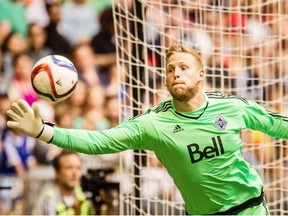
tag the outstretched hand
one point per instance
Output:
(28, 120)
(24, 118)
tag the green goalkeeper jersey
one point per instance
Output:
(201, 150)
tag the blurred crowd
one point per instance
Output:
(244, 46)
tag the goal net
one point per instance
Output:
(244, 46)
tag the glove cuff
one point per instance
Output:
(40, 132)
(47, 132)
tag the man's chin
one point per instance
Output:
(179, 90)
(180, 96)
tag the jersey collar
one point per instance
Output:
(195, 114)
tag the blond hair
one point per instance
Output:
(180, 48)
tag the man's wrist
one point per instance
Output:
(40, 131)
(47, 132)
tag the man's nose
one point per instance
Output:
(177, 72)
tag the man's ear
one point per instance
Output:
(202, 74)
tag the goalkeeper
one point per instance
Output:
(195, 135)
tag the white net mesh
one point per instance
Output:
(244, 46)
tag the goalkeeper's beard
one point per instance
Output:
(182, 94)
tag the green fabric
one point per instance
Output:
(15, 14)
(201, 150)
(101, 5)
(261, 209)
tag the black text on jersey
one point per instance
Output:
(196, 154)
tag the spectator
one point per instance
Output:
(76, 103)
(77, 15)
(103, 43)
(3, 75)
(37, 37)
(13, 11)
(13, 45)
(57, 42)
(110, 80)
(35, 12)
(17, 158)
(94, 116)
(66, 195)
(112, 111)
(4, 105)
(255, 30)
(18, 150)
(5, 30)
(83, 59)
(21, 82)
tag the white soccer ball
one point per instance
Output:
(54, 78)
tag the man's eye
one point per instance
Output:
(184, 68)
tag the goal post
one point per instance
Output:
(244, 46)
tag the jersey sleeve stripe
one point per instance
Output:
(163, 106)
(284, 118)
(216, 95)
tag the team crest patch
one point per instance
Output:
(220, 123)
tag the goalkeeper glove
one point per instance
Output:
(29, 121)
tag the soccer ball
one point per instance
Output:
(54, 78)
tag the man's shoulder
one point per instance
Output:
(150, 113)
(162, 106)
(231, 99)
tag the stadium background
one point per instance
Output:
(118, 48)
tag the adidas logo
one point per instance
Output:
(59, 83)
(177, 129)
